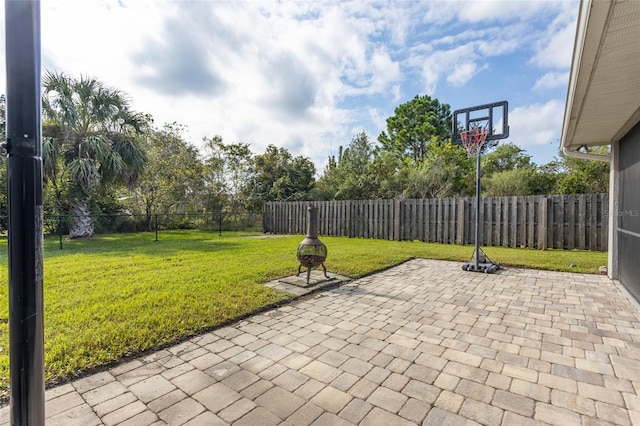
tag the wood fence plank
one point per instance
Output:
(560, 235)
(343, 218)
(408, 222)
(514, 222)
(328, 209)
(453, 228)
(409, 218)
(522, 225)
(604, 222)
(445, 220)
(542, 223)
(571, 225)
(419, 225)
(381, 221)
(390, 210)
(470, 221)
(481, 215)
(531, 243)
(416, 219)
(337, 219)
(427, 221)
(359, 213)
(582, 220)
(432, 220)
(334, 219)
(453, 220)
(361, 219)
(593, 223)
(504, 201)
(439, 221)
(497, 221)
(461, 222)
(347, 218)
(370, 219)
(488, 229)
(362, 224)
(396, 219)
(372, 222)
(374, 218)
(413, 219)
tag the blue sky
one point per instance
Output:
(308, 75)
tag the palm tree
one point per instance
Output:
(90, 136)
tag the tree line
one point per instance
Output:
(101, 157)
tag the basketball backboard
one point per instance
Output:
(492, 117)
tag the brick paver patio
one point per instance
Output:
(421, 343)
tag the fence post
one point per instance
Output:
(543, 223)
(60, 229)
(156, 220)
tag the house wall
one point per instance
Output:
(628, 212)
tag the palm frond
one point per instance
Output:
(84, 173)
(112, 166)
(50, 156)
(96, 147)
(131, 153)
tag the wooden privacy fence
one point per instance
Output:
(541, 221)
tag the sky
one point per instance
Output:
(309, 75)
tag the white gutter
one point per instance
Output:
(585, 156)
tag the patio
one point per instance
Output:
(420, 343)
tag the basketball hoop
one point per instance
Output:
(479, 124)
(473, 139)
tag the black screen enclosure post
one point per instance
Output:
(24, 176)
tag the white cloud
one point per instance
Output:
(555, 49)
(300, 75)
(536, 124)
(378, 119)
(492, 11)
(462, 73)
(551, 80)
(459, 65)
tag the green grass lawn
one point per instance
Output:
(118, 295)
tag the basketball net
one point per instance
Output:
(473, 139)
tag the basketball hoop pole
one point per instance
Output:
(476, 254)
(473, 140)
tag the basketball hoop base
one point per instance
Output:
(486, 267)
(484, 264)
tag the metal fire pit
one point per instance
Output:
(311, 251)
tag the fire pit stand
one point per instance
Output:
(311, 251)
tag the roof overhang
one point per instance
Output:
(603, 98)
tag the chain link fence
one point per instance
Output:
(155, 223)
